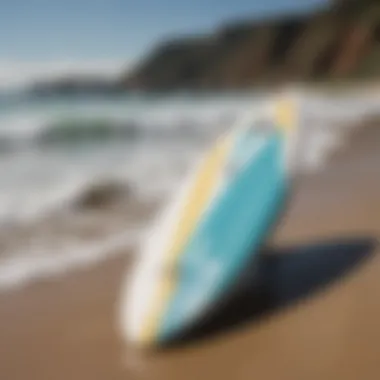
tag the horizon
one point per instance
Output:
(107, 38)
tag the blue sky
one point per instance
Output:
(114, 30)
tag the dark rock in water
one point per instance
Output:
(102, 195)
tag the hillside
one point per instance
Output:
(331, 44)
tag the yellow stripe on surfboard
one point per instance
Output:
(286, 114)
(198, 197)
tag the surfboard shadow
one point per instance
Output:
(281, 277)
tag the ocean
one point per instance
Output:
(81, 177)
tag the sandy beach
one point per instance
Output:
(66, 327)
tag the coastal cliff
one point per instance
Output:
(342, 41)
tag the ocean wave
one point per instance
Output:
(45, 183)
(79, 131)
(24, 267)
(95, 131)
(49, 126)
(99, 220)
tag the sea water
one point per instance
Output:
(55, 150)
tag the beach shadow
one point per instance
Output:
(280, 278)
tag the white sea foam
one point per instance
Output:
(35, 181)
(26, 266)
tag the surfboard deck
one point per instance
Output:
(219, 219)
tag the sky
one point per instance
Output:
(47, 37)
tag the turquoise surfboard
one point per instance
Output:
(210, 231)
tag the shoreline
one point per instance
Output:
(66, 327)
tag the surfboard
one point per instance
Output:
(219, 219)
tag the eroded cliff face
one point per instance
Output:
(340, 42)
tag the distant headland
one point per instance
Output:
(336, 43)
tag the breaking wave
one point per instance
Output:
(37, 183)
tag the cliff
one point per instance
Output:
(336, 43)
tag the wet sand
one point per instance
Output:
(65, 328)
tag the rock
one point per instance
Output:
(103, 195)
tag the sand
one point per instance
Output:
(65, 328)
